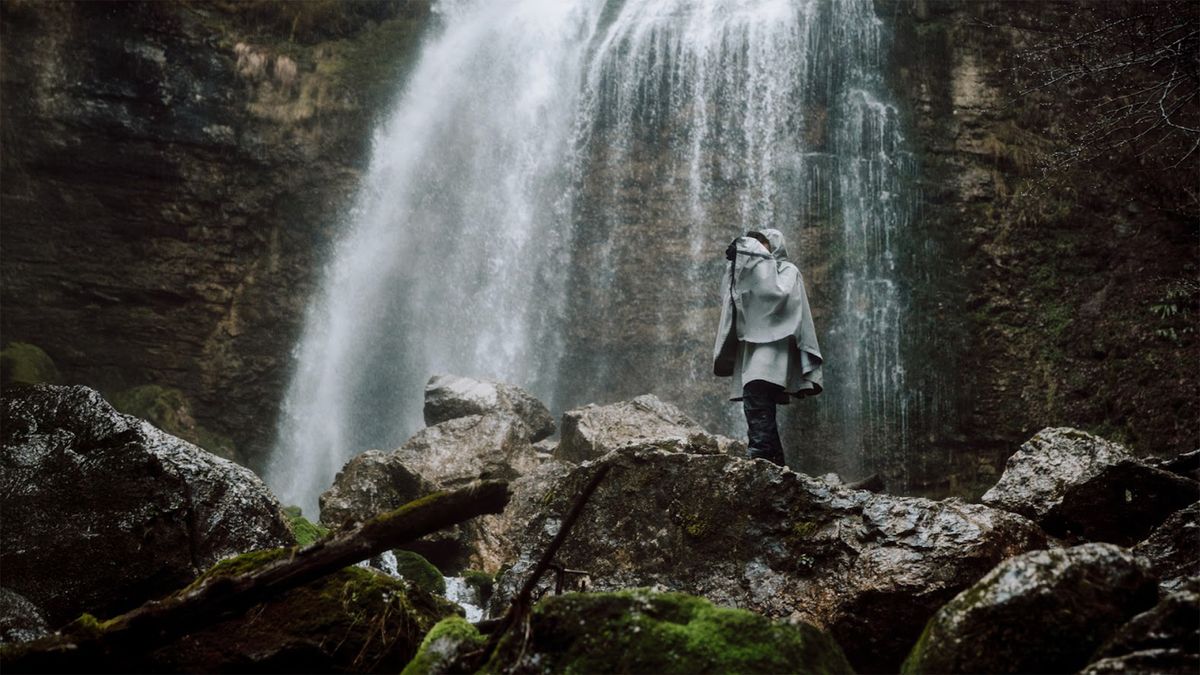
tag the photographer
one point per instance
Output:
(766, 341)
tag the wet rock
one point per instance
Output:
(368, 485)
(594, 430)
(1165, 639)
(449, 397)
(1040, 612)
(497, 542)
(20, 619)
(869, 568)
(465, 449)
(103, 511)
(445, 456)
(641, 631)
(1075, 484)
(1173, 548)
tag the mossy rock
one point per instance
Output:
(420, 572)
(482, 583)
(444, 646)
(170, 410)
(640, 631)
(23, 363)
(305, 530)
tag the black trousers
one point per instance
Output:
(758, 402)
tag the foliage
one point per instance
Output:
(1176, 310)
(23, 363)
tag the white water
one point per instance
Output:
(534, 141)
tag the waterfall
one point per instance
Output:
(549, 201)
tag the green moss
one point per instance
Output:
(913, 662)
(448, 639)
(232, 567)
(420, 572)
(483, 583)
(306, 531)
(641, 631)
(23, 363)
(805, 528)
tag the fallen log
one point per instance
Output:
(90, 645)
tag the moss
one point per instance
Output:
(23, 363)
(805, 528)
(420, 572)
(232, 567)
(483, 584)
(642, 631)
(450, 638)
(913, 662)
(306, 531)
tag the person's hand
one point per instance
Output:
(731, 250)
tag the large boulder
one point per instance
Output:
(1173, 548)
(449, 397)
(102, 511)
(638, 631)
(1165, 639)
(595, 430)
(1075, 484)
(447, 455)
(869, 568)
(1040, 612)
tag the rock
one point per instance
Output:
(368, 485)
(1165, 639)
(1040, 612)
(22, 363)
(497, 544)
(1075, 484)
(447, 455)
(465, 449)
(594, 430)
(305, 531)
(444, 648)
(1173, 548)
(869, 568)
(417, 570)
(20, 619)
(449, 397)
(103, 511)
(642, 631)
(354, 620)
(169, 410)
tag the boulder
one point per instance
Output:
(869, 568)
(368, 485)
(20, 619)
(444, 456)
(449, 397)
(638, 631)
(1186, 464)
(1165, 639)
(595, 430)
(1078, 485)
(1040, 612)
(103, 511)
(1173, 548)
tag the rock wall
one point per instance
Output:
(172, 173)
(1039, 297)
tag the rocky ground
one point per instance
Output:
(686, 558)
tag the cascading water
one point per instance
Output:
(548, 205)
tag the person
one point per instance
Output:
(766, 340)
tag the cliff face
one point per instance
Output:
(172, 174)
(1042, 296)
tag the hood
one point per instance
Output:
(778, 248)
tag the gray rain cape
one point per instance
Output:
(765, 293)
